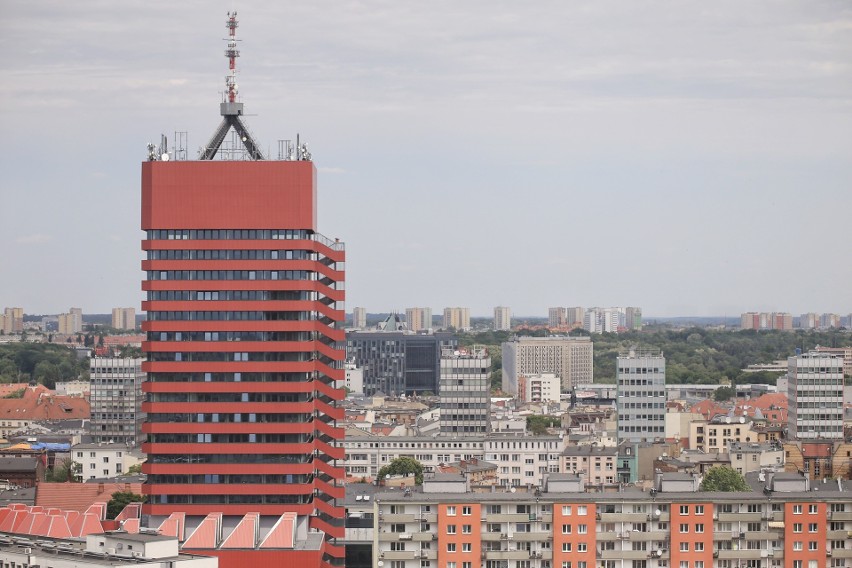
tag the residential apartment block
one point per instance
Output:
(359, 318)
(457, 318)
(12, 320)
(418, 319)
(560, 526)
(502, 318)
(124, 318)
(766, 320)
(570, 358)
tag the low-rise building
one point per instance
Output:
(105, 460)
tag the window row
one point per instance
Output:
(231, 316)
(197, 275)
(239, 295)
(229, 254)
(229, 234)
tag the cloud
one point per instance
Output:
(35, 239)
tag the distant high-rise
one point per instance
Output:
(502, 318)
(13, 320)
(116, 398)
(829, 321)
(359, 318)
(808, 321)
(570, 358)
(641, 388)
(457, 318)
(574, 316)
(124, 318)
(633, 318)
(465, 392)
(67, 324)
(815, 396)
(418, 319)
(766, 320)
(556, 317)
(77, 319)
(600, 320)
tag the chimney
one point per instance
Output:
(100, 488)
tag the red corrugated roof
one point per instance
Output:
(79, 496)
(40, 403)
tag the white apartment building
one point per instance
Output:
(542, 387)
(104, 460)
(556, 317)
(603, 320)
(815, 397)
(570, 358)
(354, 378)
(502, 318)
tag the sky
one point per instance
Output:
(692, 158)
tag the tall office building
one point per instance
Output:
(124, 318)
(815, 396)
(457, 318)
(569, 358)
(418, 319)
(641, 388)
(116, 399)
(13, 320)
(245, 304)
(502, 318)
(465, 392)
(399, 362)
(359, 318)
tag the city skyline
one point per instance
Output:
(654, 156)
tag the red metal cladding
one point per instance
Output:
(240, 387)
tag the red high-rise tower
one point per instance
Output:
(244, 299)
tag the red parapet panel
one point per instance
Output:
(242, 386)
(228, 195)
(227, 427)
(234, 489)
(327, 528)
(236, 468)
(202, 510)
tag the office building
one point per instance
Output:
(569, 358)
(418, 319)
(359, 318)
(398, 362)
(244, 335)
(457, 319)
(641, 403)
(124, 318)
(502, 318)
(465, 392)
(13, 320)
(815, 396)
(115, 395)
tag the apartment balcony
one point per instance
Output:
(399, 554)
(605, 536)
(426, 517)
(530, 536)
(507, 555)
(492, 536)
(386, 518)
(734, 517)
(841, 553)
(507, 518)
(840, 515)
(646, 536)
(837, 535)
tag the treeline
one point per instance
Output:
(44, 363)
(693, 355)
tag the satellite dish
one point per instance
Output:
(380, 563)
(512, 490)
(165, 157)
(742, 419)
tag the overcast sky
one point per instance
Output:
(692, 158)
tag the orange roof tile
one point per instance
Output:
(40, 403)
(79, 496)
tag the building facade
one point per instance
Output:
(556, 317)
(457, 318)
(541, 387)
(359, 318)
(244, 340)
(570, 358)
(124, 318)
(502, 318)
(815, 397)
(465, 392)
(115, 395)
(641, 384)
(13, 320)
(397, 362)
(418, 319)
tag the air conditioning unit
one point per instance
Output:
(28, 551)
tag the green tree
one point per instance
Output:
(134, 469)
(724, 478)
(120, 499)
(66, 470)
(538, 424)
(724, 393)
(403, 466)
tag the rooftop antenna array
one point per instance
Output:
(230, 109)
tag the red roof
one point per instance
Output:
(40, 404)
(79, 496)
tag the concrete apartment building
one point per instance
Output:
(815, 397)
(766, 320)
(105, 460)
(502, 318)
(418, 319)
(556, 317)
(543, 387)
(124, 318)
(465, 392)
(570, 358)
(559, 525)
(12, 320)
(359, 318)
(716, 435)
(457, 318)
(115, 394)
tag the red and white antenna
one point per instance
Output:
(232, 53)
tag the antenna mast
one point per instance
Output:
(230, 109)
(232, 53)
